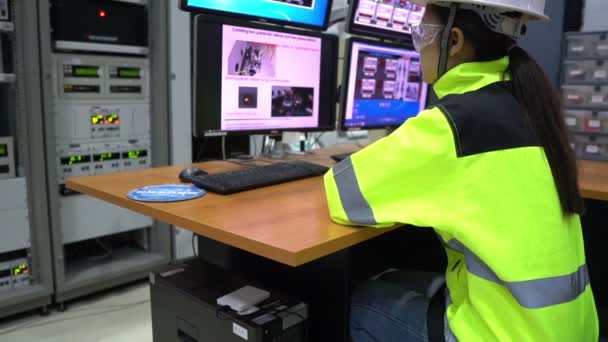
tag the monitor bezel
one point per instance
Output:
(183, 5)
(328, 66)
(346, 80)
(358, 29)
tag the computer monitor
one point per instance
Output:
(260, 79)
(303, 13)
(384, 18)
(382, 85)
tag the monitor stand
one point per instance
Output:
(307, 143)
(273, 147)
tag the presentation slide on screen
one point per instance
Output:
(385, 86)
(270, 80)
(391, 15)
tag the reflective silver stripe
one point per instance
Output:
(356, 207)
(540, 293)
(531, 294)
(454, 244)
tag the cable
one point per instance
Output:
(199, 154)
(445, 40)
(318, 141)
(247, 163)
(264, 147)
(194, 252)
(102, 257)
(255, 145)
(224, 147)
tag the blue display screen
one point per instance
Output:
(384, 86)
(382, 113)
(302, 12)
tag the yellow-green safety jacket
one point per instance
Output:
(472, 169)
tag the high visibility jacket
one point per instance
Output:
(472, 169)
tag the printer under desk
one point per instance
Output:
(184, 309)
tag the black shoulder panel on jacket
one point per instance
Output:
(486, 120)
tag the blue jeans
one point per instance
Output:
(393, 307)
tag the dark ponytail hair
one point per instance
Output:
(533, 90)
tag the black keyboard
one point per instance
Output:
(340, 157)
(258, 176)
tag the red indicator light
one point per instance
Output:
(102, 13)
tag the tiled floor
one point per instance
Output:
(122, 315)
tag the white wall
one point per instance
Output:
(596, 12)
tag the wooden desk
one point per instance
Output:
(593, 179)
(288, 223)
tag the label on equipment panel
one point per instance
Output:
(577, 72)
(592, 149)
(570, 122)
(594, 123)
(601, 74)
(577, 48)
(597, 99)
(240, 331)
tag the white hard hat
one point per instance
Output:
(534, 9)
(496, 13)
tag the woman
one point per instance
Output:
(491, 170)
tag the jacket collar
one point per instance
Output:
(468, 77)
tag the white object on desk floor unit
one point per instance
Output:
(243, 298)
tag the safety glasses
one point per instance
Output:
(424, 35)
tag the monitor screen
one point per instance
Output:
(306, 13)
(253, 78)
(384, 18)
(383, 85)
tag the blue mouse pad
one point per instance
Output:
(166, 193)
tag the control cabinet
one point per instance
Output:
(102, 125)
(104, 113)
(26, 270)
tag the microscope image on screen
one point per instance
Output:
(302, 3)
(248, 97)
(292, 101)
(252, 59)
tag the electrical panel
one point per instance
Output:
(102, 115)
(7, 158)
(14, 274)
(95, 77)
(102, 125)
(14, 215)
